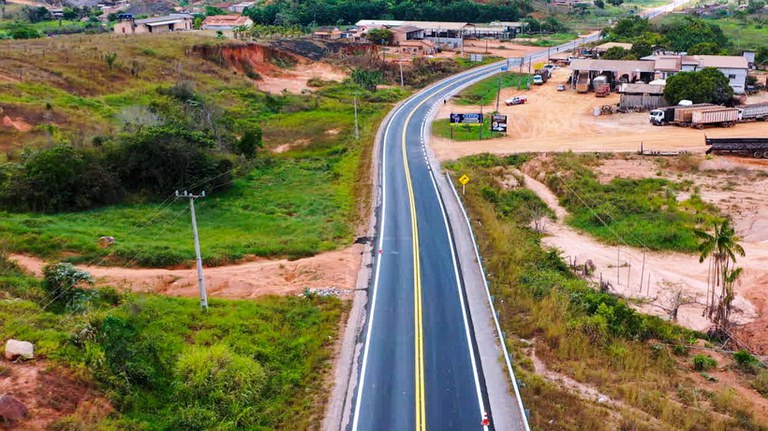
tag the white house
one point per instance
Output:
(735, 68)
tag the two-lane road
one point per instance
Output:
(419, 366)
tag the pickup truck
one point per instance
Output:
(517, 100)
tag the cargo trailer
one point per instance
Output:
(725, 117)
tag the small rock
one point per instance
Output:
(602, 399)
(11, 409)
(15, 349)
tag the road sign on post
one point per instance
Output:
(499, 123)
(463, 180)
(469, 119)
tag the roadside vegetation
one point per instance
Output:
(639, 363)
(484, 92)
(106, 149)
(653, 213)
(163, 364)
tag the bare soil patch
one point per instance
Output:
(737, 186)
(49, 393)
(295, 80)
(336, 269)
(554, 120)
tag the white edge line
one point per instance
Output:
(502, 340)
(364, 364)
(467, 332)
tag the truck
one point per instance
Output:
(753, 112)
(755, 147)
(667, 114)
(582, 82)
(601, 86)
(541, 76)
(725, 117)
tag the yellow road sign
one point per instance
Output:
(463, 180)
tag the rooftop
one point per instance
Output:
(641, 88)
(608, 65)
(167, 19)
(718, 61)
(609, 45)
(233, 20)
(419, 24)
(406, 29)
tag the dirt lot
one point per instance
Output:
(295, 80)
(562, 121)
(738, 187)
(336, 269)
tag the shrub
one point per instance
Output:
(745, 361)
(760, 384)
(703, 363)
(222, 383)
(62, 282)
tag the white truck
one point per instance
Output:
(753, 112)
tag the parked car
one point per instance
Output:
(561, 87)
(517, 100)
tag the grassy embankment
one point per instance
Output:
(636, 212)
(639, 362)
(164, 364)
(296, 203)
(483, 92)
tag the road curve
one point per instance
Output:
(419, 367)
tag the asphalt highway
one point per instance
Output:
(419, 368)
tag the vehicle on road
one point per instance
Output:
(720, 116)
(561, 87)
(517, 100)
(753, 112)
(679, 114)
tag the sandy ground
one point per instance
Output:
(562, 121)
(295, 80)
(49, 393)
(662, 275)
(336, 269)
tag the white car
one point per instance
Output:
(517, 100)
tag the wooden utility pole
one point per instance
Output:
(357, 127)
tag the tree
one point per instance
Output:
(600, 4)
(721, 247)
(22, 31)
(641, 49)
(614, 53)
(110, 59)
(630, 27)
(37, 14)
(380, 36)
(684, 33)
(367, 79)
(553, 25)
(761, 56)
(250, 142)
(706, 48)
(704, 86)
(616, 3)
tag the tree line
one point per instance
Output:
(346, 12)
(688, 34)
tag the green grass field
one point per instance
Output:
(164, 364)
(640, 213)
(485, 90)
(297, 203)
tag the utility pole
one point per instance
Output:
(357, 128)
(402, 82)
(200, 277)
(498, 94)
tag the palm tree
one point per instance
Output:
(721, 248)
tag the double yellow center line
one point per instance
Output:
(421, 419)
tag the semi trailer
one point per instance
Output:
(724, 117)
(669, 114)
(755, 147)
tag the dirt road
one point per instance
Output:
(652, 279)
(563, 121)
(336, 269)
